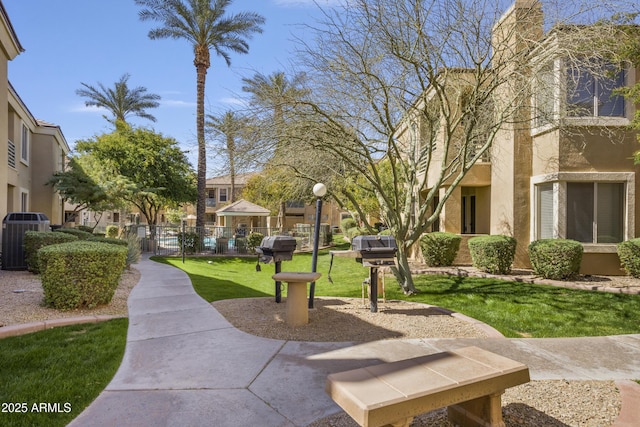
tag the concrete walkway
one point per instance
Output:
(185, 365)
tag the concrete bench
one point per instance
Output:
(469, 381)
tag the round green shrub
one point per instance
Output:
(356, 231)
(34, 240)
(347, 224)
(493, 254)
(556, 259)
(253, 241)
(629, 254)
(112, 231)
(80, 274)
(85, 228)
(82, 235)
(439, 248)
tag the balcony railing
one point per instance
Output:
(12, 154)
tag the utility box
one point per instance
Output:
(14, 225)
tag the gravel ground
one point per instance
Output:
(535, 404)
(21, 299)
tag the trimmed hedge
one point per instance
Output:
(82, 235)
(34, 240)
(556, 259)
(629, 254)
(112, 231)
(347, 224)
(493, 254)
(80, 274)
(109, 240)
(439, 248)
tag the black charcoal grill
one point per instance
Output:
(276, 249)
(374, 252)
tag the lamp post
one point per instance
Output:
(319, 190)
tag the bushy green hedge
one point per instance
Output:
(356, 231)
(347, 224)
(192, 242)
(254, 240)
(80, 274)
(493, 254)
(85, 228)
(34, 240)
(107, 240)
(439, 248)
(112, 231)
(82, 235)
(629, 253)
(557, 259)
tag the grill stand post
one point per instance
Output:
(278, 283)
(373, 292)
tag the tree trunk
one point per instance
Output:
(402, 271)
(201, 204)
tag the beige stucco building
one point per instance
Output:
(31, 150)
(563, 168)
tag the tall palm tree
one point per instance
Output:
(274, 93)
(120, 100)
(206, 25)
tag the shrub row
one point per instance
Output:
(550, 258)
(81, 273)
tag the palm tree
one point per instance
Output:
(229, 127)
(274, 93)
(120, 101)
(205, 24)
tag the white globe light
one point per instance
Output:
(319, 189)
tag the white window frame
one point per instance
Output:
(560, 105)
(222, 191)
(559, 181)
(24, 200)
(25, 144)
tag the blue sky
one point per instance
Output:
(67, 42)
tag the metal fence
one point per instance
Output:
(170, 240)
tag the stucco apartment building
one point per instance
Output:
(31, 150)
(565, 170)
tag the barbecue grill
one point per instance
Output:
(276, 249)
(374, 252)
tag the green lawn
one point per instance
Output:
(515, 309)
(47, 378)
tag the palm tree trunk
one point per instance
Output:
(201, 205)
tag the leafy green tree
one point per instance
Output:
(120, 100)
(78, 187)
(143, 168)
(206, 25)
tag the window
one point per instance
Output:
(595, 212)
(24, 145)
(544, 112)
(24, 201)
(223, 194)
(546, 216)
(590, 91)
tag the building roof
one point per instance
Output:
(243, 208)
(241, 179)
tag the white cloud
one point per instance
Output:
(81, 108)
(176, 103)
(234, 101)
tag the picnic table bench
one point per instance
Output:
(469, 381)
